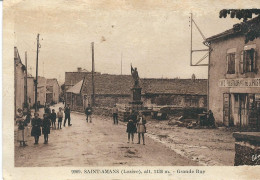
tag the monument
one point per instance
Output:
(136, 90)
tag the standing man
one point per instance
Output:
(67, 115)
(88, 112)
(60, 116)
(115, 114)
(47, 110)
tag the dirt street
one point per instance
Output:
(211, 147)
(95, 144)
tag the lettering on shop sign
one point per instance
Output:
(248, 82)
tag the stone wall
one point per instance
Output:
(247, 147)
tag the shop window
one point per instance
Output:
(248, 60)
(231, 57)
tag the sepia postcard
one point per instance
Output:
(128, 89)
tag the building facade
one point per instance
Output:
(116, 89)
(30, 90)
(72, 78)
(53, 91)
(19, 80)
(41, 91)
(234, 79)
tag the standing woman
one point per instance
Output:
(46, 125)
(26, 128)
(20, 121)
(36, 127)
(141, 129)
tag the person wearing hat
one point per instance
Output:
(67, 115)
(141, 129)
(36, 127)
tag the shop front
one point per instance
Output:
(241, 104)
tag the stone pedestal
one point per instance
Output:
(136, 102)
(247, 147)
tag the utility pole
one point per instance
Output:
(93, 69)
(36, 81)
(26, 86)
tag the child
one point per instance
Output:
(60, 116)
(36, 127)
(131, 129)
(53, 119)
(46, 124)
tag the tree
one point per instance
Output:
(250, 28)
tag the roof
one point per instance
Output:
(232, 31)
(76, 89)
(175, 86)
(72, 78)
(107, 84)
(52, 81)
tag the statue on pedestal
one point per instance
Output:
(135, 76)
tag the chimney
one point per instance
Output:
(79, 69)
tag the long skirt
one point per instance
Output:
(22, 135)
(141, 128)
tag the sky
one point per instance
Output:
(152, 35)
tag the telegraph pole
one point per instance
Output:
(36, 81)
(93, 69)
(26, 86)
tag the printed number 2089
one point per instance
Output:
(76, 171)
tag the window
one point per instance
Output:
(248, 59)
(231, 57)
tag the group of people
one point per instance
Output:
(136, 124)
(40, 126)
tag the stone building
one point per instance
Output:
(175, 92)
(234, 79)
(72, 78)
(19, 77)
(53, 91)
(30, 90)
(116, 89)
(41, 91)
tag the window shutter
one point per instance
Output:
(227, 69)
(241, 62)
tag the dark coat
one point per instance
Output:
(131, 127)
(47, 110)
(46, 124)
(88, 111)
(36, 127)
(67, 111)
(27, 119)
(53, 117)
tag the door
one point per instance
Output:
(243, 109)
(226, 109)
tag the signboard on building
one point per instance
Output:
(242, 82)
